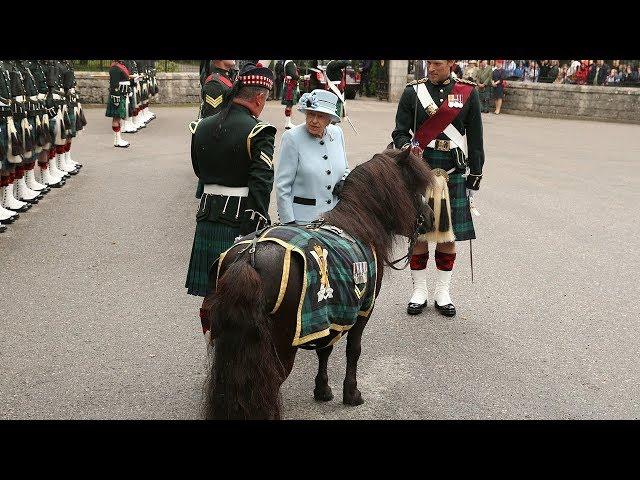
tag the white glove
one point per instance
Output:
(471, 193)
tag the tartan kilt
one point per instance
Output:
(114, 111)
(209, 241)
(461, 219)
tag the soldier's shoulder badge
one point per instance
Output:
(416, 82)
(464, 80)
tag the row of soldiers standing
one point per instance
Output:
(132, 84)
(40, 114)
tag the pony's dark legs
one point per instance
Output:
(350, 393)
(323, 392)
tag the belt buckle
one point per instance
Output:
(442, 145)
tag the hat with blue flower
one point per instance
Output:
(320, 101)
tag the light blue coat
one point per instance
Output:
(309, 167)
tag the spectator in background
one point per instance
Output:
(635, 74)
(531, 72)
(562, 74)
(484, 85)
(570, 76)
(510, 67)
(518, 73)
(582, 75)
(598, 73)
(471, 72)
(625, 76)
(543, 73)
(612, 78)
(492, 64)
(497, 80)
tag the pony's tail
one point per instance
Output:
(245, 377)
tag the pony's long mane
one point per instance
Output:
(378, 200)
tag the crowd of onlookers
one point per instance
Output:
(577, 72)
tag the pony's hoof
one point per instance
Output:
(353, 399)
(322, 394)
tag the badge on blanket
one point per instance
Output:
(360, 277)
(320, 255)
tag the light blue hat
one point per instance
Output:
(320, 101)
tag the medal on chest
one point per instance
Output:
(455, 101)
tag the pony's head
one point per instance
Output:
(384, 197)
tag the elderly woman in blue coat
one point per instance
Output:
(312, 161)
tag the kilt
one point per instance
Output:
(209, 241)
(114, 111)
(461, 219)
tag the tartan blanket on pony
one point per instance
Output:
(339, 280)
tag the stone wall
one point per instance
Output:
(397, 78)
(616, 104)
(183, 87)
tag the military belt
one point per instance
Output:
(442, 145)
(213, 189)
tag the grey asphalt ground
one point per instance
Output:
(95, 322)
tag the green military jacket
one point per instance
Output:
(235, 151)
(468, 121)
(214, 91)
(38, 71)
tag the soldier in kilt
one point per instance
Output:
(447, 110)
(9, 206)
(25, 93)
(290, 88)
(117, 104)
(62, 125)
(64, 162)
(42, 180)
(54, 101)
(232, 153)
(15, 148)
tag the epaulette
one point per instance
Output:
(220, 78)
(464, 80)
(416, 82)
(194, 125)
